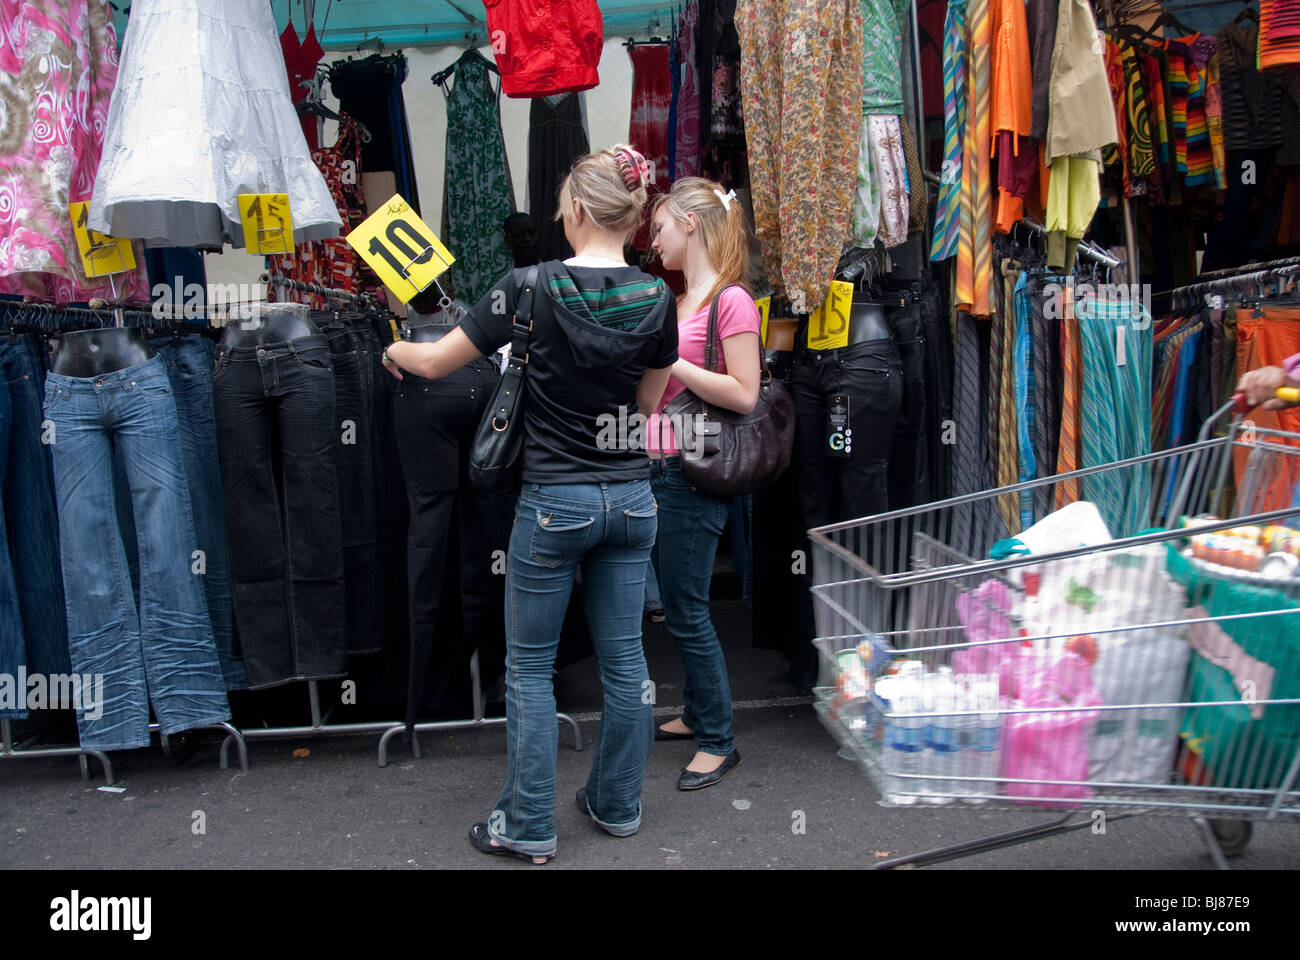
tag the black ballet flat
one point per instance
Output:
(482, 842)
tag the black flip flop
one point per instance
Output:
(482, 842)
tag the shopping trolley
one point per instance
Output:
(1151, 673)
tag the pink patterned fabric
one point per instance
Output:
(688, 99)
(58, 65)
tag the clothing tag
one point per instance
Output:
(1214, 301)
(101, 255)
(839, 430)
(401, 248)
(828, 327)
(1121, 346)
(268, 225)
(764, 305)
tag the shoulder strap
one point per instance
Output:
(711, 344)
(523, 322)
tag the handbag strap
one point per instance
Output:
(523, 322)
(711, 344)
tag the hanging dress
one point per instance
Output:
(479, 195)
(555, 139)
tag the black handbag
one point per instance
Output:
(728, 453)
(495, 459)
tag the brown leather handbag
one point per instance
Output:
(728, 453)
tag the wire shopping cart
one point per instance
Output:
(1153, 673)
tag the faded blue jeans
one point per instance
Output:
(690, 526)
(161, 653)
(607, 530)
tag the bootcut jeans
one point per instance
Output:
(607, 530)
(161, 652)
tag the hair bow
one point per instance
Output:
(726, 198)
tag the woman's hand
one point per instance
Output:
(389, 364)
(1261, 386)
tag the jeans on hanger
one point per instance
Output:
(29, 508)
(356, 479)
(607, 530)
(161, 652)
(871, 376)
(435, 422)
(189, 363)
(13, 648)
(278, 436)
(690, 526)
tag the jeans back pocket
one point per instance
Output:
(559, 537)
(642, 526)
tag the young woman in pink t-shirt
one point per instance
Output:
(700, 230)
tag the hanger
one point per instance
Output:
(1246, 13)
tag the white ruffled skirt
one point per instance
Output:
(202, 113)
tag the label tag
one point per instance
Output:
(268, 225)
(1121, 346)
(828, 327)
(1214, 301)
(397, 244)
(764, 305)
(101, 255)
(839, 429)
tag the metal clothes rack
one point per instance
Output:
(364, 299)
(1249, 273)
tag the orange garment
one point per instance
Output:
(1013, 78)
(1265, 340)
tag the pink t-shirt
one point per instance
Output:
(736, 314)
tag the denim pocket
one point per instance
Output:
(316, 359)
(642, 525)
(153, 388)
(558, 537)
(54, 395)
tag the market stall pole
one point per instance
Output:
(1152, 673)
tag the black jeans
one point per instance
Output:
(870, 375)
(354, 423)
(277, 434)
(434, 422)
(909, 475)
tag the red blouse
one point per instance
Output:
(545, 47)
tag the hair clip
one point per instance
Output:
(634, 167)
(726, 198)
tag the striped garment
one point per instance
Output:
(1068, 456)
(948, 207)
(1116, 409)
(620, 306)
(1025, 404)
(1279, 34)
(1176, 54)
(1116, 154)
(1008, 453)
(981, 181)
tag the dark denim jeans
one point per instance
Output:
(13, 649)
(189, 363)
(277, 434)
(690, 526)
(163, 652)
(607, 530)
(29, 507)
(356, 477)
(435, 421)
(909, 471)
(832, 488)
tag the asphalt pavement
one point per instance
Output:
(325, 803)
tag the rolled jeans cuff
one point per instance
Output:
(534, 848)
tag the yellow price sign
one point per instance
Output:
(764, 305)
(101, 255)
(268, 225)
(397, 244)
(828, 327)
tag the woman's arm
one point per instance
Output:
(737, 389)
(651, 389)
(432, 361)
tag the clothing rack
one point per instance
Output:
(1268, 272)
(1086, 248)
(363, 299)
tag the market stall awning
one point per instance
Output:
(343, 24)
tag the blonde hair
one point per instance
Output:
(721, 225)
(597, 182)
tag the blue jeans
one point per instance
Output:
(189, 368)
(13, 649)
(161, 652)
(690, 526)
(607, 530)
(653, 598)
(30, 510)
